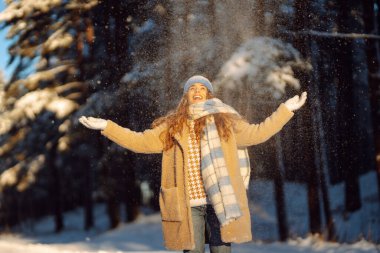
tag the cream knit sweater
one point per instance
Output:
(195, 183)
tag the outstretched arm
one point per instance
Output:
(252, 134)
(140, 142)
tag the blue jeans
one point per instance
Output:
(206, 224)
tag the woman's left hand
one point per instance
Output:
(296, 102)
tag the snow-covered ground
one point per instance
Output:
(145, 235)
(364, 223)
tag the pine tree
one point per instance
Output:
(82, 52)
(51, 34)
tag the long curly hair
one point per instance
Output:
(176, 119)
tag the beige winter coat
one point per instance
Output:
(174, 198)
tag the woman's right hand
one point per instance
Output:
(93, 123)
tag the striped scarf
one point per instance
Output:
(213, 166)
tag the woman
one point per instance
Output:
(205, 166)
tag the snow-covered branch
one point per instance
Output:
(16, 176)
(82, 5)
(262, 66)
(314, 33)
(32, 81)
(16, 10)
(59, 39)
(32, 104)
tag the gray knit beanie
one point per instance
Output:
(197, 79)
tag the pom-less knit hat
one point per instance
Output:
(197, 79)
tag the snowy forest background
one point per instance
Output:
(127, 61)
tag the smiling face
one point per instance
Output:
(197, 93)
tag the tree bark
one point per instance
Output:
(110, 189)
(348, 164)
(56, 187)
(371, 26)
(88, 203)
(113, 209)
(132, 196)
(88, 187)
(307, 149)
(279, 191)
(321, 145)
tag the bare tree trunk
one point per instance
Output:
(106, 34)
(132, 196)
(56, 187)
(346, 135)
(320, 146)
(110, 189)
(308, 151)
(86, 166)
(10, 209)
(88, 203)
(279, 191)
(113, 209)
(301, 21)
(313, 204)
(371, 26)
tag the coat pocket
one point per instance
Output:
(169, 204)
